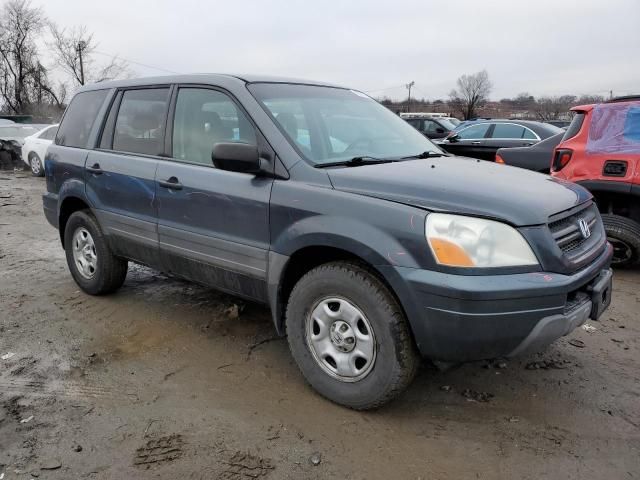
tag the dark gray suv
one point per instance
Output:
(370, 245)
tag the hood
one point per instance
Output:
(466, 186)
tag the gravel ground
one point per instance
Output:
(165, 379)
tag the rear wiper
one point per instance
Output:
(427, 155)
(355, 162)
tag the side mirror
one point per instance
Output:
(236, 157)
(440, 130)
(453, 138)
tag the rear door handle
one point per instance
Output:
(476, 143)
(95, 169)
(173, 183)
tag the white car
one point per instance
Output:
(35, 148)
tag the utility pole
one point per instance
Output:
(409, 86)
(81, 46)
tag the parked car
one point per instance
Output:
(35, 147)
(601, 151)
(483, 139)
(11, 139)
(367, 245)
(564, 124)
(536, 157)
(430, 127)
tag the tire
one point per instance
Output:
(394, 360)
(624, 234)
(108, 272)
(36, 165)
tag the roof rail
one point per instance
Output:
(625, 98)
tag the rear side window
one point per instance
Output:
(632, 125)
(507, 130)
(140, 122)
(574, 127)
(475, 131)
(415, 123)
(80, 118)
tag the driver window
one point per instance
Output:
(431, 126)
(474, 132)
(203, 118)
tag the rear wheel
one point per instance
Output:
(37, 168)
(91, 263)
(349, 336)
(624, 235)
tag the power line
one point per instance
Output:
(136, 63)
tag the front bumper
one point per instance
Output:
(457, 318)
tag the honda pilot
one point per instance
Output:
(370, 245)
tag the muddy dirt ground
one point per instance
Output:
(166, 379)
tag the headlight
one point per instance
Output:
(460, 241)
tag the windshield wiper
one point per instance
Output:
(356, 162)
(427, 155)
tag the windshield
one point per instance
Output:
(329, 125)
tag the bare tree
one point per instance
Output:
(552, 108)
(74, 51)
(471, 93)
(24, 84)
(588, 99)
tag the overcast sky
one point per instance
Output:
(544, 47)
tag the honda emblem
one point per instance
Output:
(584, 228)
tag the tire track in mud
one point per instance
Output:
(67, 389)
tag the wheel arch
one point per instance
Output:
(616, 198)
(68, 206)
(286, 270)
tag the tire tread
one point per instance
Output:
(407, 356)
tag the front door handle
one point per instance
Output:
(173, 183)
(476, 143)
(95, 169)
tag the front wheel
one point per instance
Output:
(624, 235)
(93, 266)
(349, 336)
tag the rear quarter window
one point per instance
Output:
(79, 119)
(614, 129)
(632, 125)
(574, 126)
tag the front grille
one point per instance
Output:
(568, 235)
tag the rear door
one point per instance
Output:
(213, 224)
(120, 174)
(469, 142)
(507, 135)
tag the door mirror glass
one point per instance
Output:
(236, 157)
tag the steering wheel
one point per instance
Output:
(358, 141)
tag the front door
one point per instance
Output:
(213, 225)
(469, 142)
